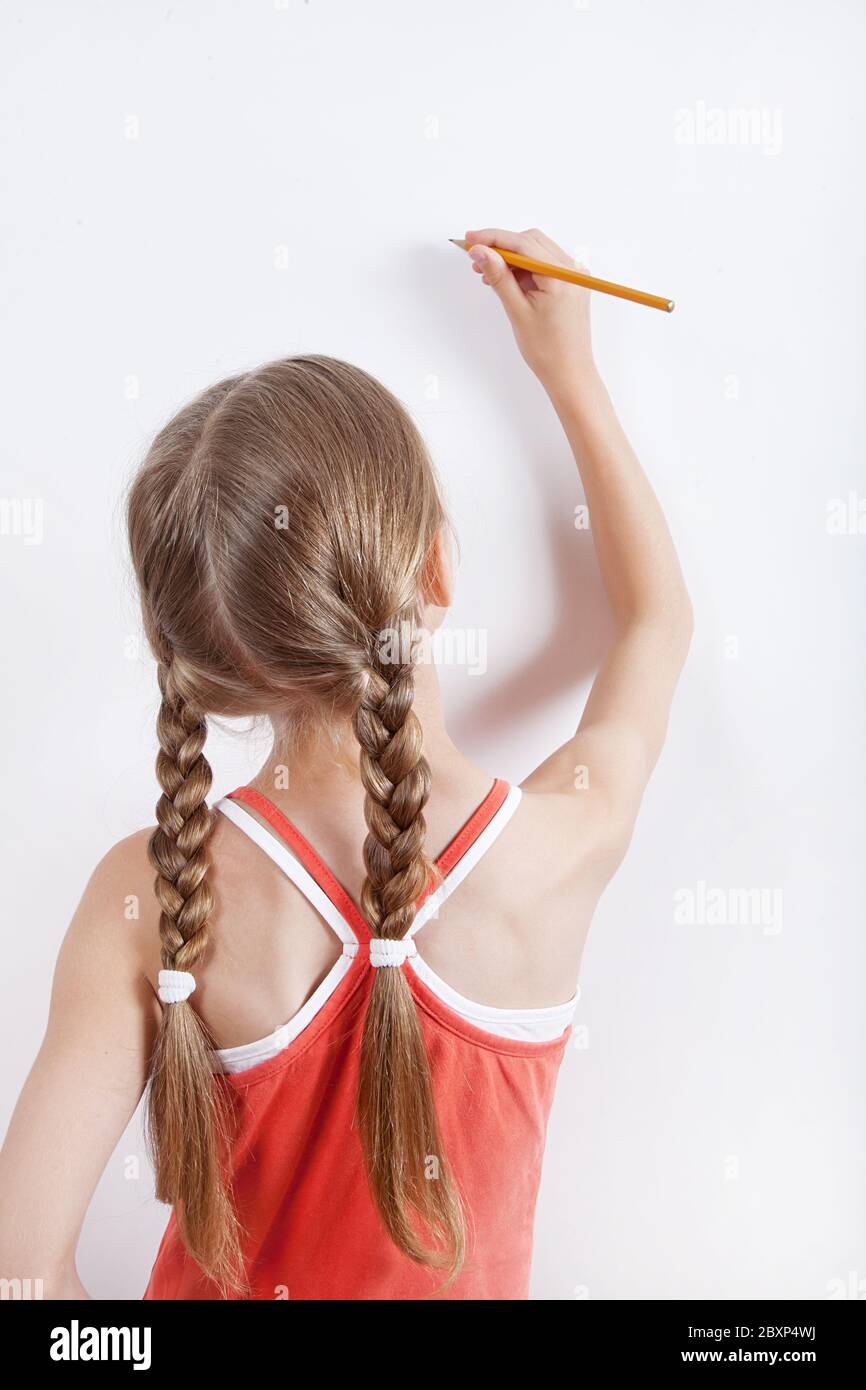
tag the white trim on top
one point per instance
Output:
(523, 1025)
(469, 860)
(241, 1058)
(291, 867)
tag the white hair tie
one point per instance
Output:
(386, 952)
(175, 986)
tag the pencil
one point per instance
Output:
(577, 277)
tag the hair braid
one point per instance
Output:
(184, 824)
(407, 1170)
(396, 778)
(185, 1122)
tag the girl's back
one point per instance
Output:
(285, 992)
(290, 1047)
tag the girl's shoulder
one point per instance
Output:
(119, 907)
(572, 835)
(118, 915)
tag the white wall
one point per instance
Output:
(160, 161)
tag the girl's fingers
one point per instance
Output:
(500, 278)
(515, 288)
(532, 242)
(550, 251)
(521, 242)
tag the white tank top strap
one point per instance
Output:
(476, 850)
(292, 868)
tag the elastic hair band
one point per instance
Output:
(385, 952)
(175, 986)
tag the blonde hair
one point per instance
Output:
(278, 525)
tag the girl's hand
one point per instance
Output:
(550, 318)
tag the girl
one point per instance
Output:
(351, 1049)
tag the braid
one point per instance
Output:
(399, 1131)
(396, 778)
(184, 824)
(186, 1124)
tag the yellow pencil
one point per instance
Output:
(577, 277)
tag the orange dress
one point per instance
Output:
(311, 1228)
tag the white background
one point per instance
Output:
(161, 163)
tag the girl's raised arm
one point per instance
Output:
(623, 725)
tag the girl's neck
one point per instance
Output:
(324, 773)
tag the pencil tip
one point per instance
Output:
(455, 242)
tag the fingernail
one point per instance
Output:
(477, 256)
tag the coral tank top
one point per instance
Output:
(311, 1230)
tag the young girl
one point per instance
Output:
(352, 988)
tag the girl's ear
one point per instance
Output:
(437, 581)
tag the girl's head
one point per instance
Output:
(283, 525)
